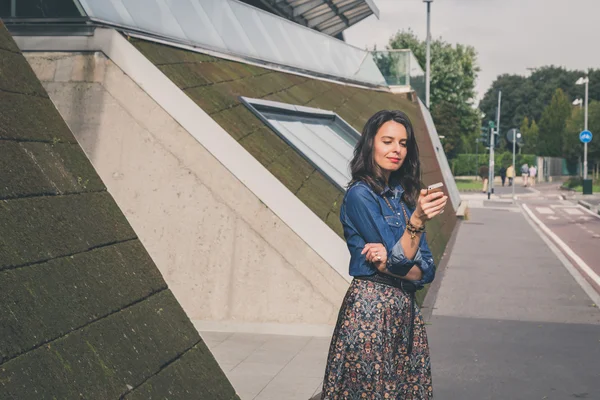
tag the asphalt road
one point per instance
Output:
(514, 318)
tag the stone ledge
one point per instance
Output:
(463, 210)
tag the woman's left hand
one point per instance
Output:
(376, 254)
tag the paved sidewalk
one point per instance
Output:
(270, 367)
(510, 322)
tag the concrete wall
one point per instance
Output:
(230, 261)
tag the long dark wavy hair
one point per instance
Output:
(365, 169)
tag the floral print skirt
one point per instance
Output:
(368, 354)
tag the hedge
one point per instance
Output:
(466, 164)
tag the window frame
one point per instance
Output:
(258, 106)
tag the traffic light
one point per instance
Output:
(485, 135)
(484, 138)
(496, 138)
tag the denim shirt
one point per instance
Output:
(367, 218)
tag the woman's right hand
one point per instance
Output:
(429, 205)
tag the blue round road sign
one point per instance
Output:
(585, 136)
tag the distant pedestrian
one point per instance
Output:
(510, 174)
(532, 174)
(503, 175)
(525, 173)
(484, 173)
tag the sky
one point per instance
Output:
(510, 36)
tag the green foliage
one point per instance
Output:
(572, 147)
(576, 184)
(468, 184)
(528, 96)
(453, 74)
(530, 136)
(553, 124)
(465, 164)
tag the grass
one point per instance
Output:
(575, 184)
(579, 189)
(468, 185)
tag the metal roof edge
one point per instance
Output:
(373, 7)
(247, 60)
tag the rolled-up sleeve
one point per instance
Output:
(423, 259)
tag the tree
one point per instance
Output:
(533, 138)
(528, 96)
(530, 134)
(516, 96)
(573, 148)
(453, 74)
(448, 125)
(553, 125)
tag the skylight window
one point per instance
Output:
(322, 137)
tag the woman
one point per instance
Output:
(532, 174)
(510, 174)
(379, 347)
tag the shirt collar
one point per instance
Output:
(395, 191)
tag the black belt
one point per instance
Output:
(407, 287)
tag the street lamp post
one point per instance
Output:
(579, 102)
(515, 136)
(586, 81)
(428, 55)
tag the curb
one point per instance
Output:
(589, 206)
(585, 204)
(431, 297)
(463, 209)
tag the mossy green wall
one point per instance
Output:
(84, 312)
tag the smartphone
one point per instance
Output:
(436, 187)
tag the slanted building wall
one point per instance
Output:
(216, 85)
(231, 262)
(220, 247)
(84, 312)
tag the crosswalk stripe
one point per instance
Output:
(544, 210)
(573, 211)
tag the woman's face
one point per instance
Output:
(389, 147)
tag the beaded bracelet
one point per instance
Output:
(413, 230)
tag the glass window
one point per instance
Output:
(232, 27)
(324, 138)
(39, 9)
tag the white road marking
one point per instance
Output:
(544, 210)
(589, 211)
(584, 267)
(573, 211)
(552, 217)
(585, 285)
